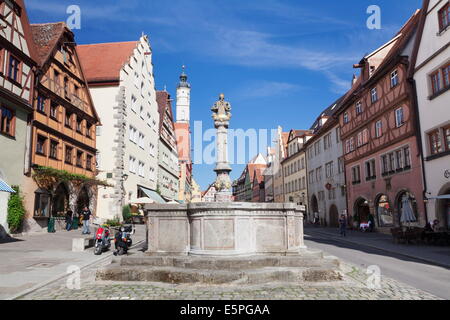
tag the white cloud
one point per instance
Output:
(256, 49)
(339, 85)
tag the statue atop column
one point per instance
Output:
(221, 111)
(221, 116)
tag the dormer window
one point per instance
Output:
(444, 17)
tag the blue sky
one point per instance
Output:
(278, 62)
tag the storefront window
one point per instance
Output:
(384, 212)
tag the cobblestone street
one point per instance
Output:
(352, 288)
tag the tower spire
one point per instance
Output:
(183, 78)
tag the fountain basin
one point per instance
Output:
(224, 229)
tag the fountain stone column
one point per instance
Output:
(221, 116)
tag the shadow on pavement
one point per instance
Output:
(342, 243)
(9, 240)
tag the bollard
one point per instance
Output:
(78, 245)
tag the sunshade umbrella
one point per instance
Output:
(407, 211)
(144, 200)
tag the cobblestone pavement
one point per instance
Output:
(353, 287)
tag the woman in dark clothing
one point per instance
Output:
(343, 225)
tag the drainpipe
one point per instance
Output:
(413, 89)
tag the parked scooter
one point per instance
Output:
(123, 240)
(102, 239)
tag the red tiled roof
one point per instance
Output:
(404, 35)
(256, 168)
(45, 37)
(103, 61)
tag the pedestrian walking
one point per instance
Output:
(86, 216)
(69, 220)
(316, 218)
(343, 226)
(371, 223)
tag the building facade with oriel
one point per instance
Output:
(17, 66)
(432, 82)
(63, 145)
(122, 85)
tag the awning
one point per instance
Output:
(152, 195)
(445, 196)
(4, 187)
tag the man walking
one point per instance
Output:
(86, 216)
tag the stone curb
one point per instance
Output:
(427, 260)
(61, 276)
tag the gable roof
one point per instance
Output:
(297, 134)
(45, 37)
(103, 61)
(400, 41)
(258, 175)
(255, 169)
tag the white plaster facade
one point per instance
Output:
(127, 142)
(294, 168)
(326, 166)
(434, 111)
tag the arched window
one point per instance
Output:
(383, 210)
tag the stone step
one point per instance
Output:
(227, 263)
(115, 272)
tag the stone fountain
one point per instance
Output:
(224, 241)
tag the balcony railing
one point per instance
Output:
(69, 96)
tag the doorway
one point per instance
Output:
(83, 200)
(60, 203)
(334, 216)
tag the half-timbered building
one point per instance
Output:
(378, 130)
(63, 128)
(17, 63)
